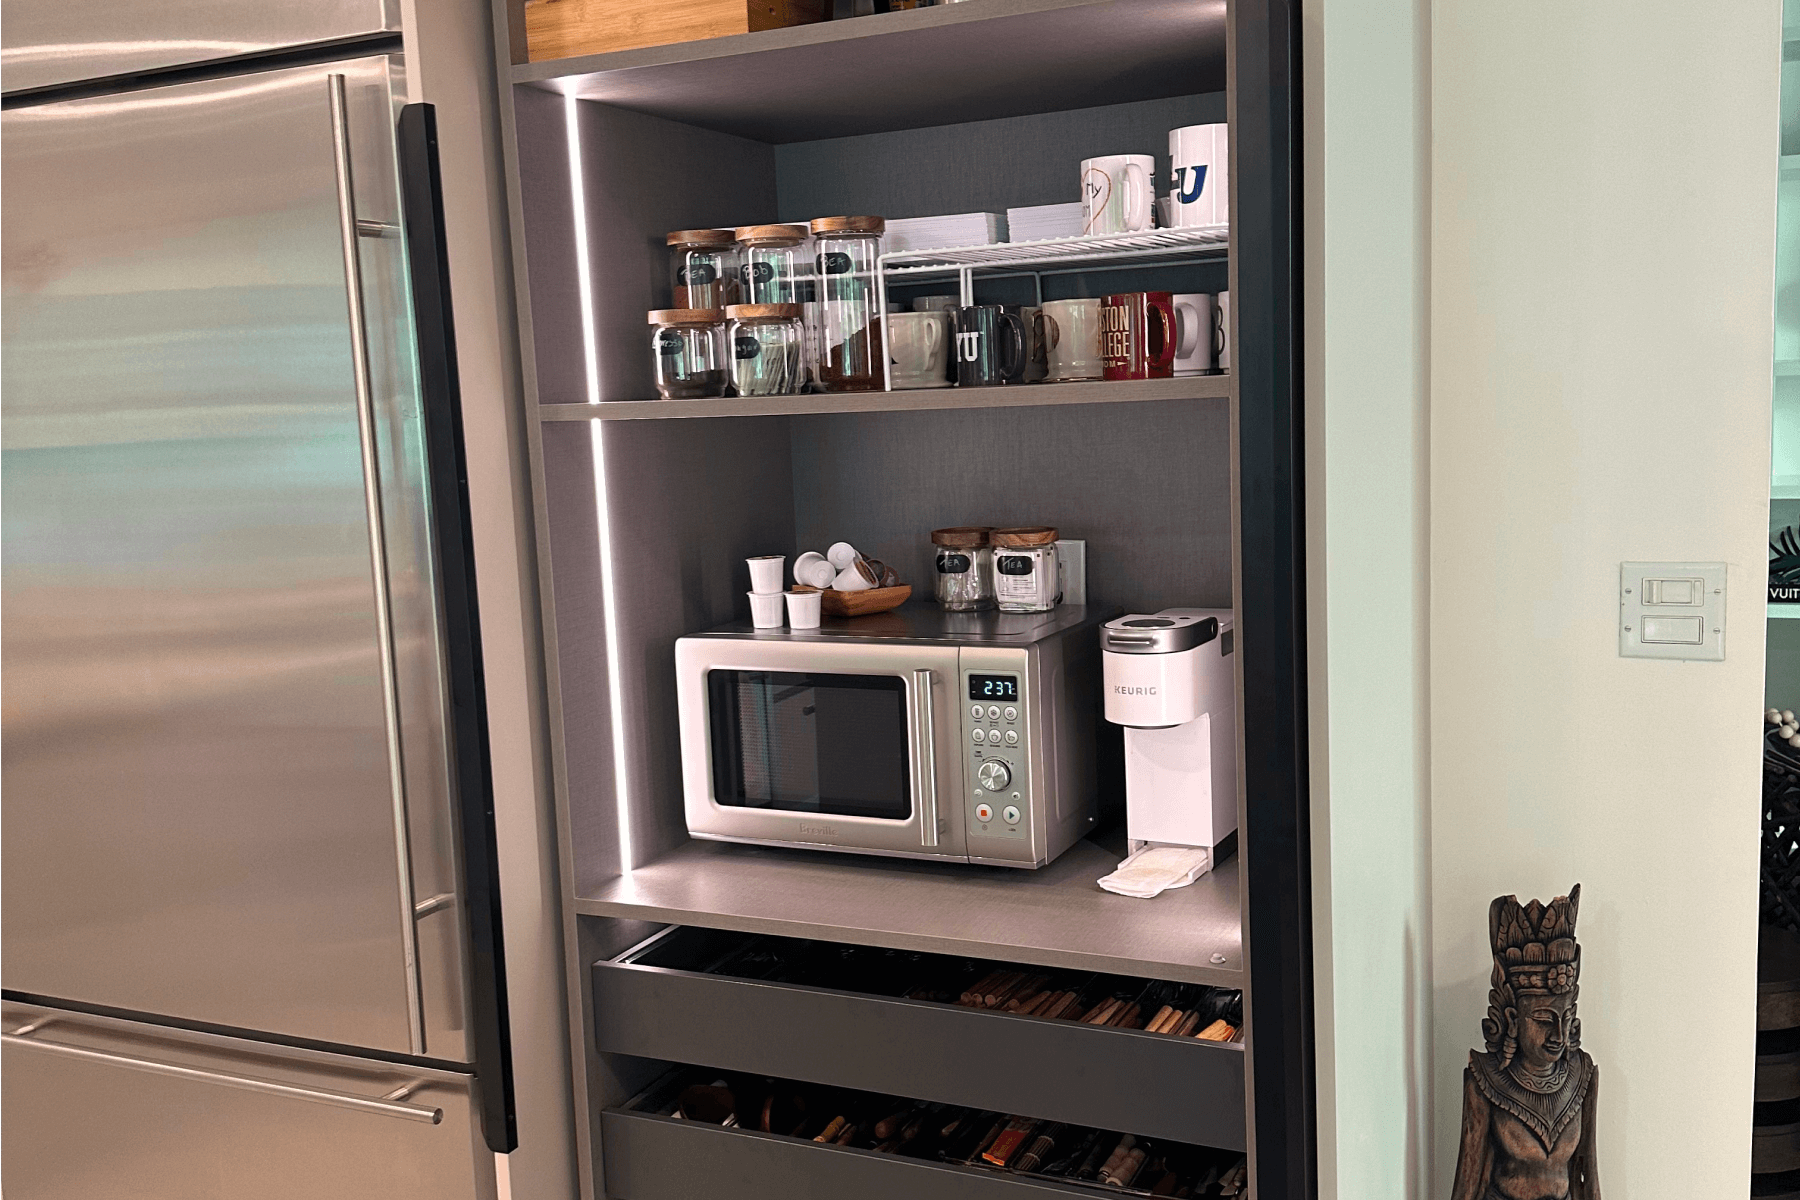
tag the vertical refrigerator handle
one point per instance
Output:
(384, 616)
(422, 208)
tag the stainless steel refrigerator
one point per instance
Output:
(251, 942)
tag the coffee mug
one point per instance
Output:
(918, 348)
(1072, 339)
(1198, 181)
(990, 346)
(1037, 363)
(1222, 331)
(1193, 333)
(1116, 193)
(1137, 335)
(936, 303)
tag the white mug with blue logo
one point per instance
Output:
(1199, 187)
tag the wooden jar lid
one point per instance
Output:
(1025, 535)
(771, 235)
(752, 312)
(961, 537)
(702, 237)
(849, 225)
(685, 316)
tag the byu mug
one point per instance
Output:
(1198, 187)
(989, 346)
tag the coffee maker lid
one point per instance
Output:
(1169, 632)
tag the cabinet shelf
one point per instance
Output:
(930, 66)
(1055, 917)
(1124, 391)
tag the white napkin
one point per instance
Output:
(1155, 869)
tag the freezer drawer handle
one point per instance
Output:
(384, 617)
(387, 1106)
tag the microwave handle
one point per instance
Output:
(925, 758)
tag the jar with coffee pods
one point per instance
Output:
(687, 346)
(1025, 572)
(965, 568)
(703, 268)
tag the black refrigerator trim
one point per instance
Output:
(1278, 865)
(422, 206)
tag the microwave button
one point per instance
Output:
(1010, 814)
(984, 811)
(979, 736)
(993, 712)
(994, 775)
(975, 710)
(1012, 737)
(1012, 714)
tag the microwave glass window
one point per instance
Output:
(810, 742)
(993, 687)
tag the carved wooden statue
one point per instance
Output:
(1529, 1101)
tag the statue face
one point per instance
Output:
(1545, 1024)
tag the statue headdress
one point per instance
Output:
(1534, 951)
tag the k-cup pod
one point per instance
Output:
(841, 555)
(814, 570)
(803, 609)
(765, 610)
(854, 578)
(765, 573)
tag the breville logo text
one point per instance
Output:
(1122, 690)
(818, 830)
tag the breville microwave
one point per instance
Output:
(967, 737)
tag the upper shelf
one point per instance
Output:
(1055, 916)
(943, 65)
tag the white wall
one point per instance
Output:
(1538, 345)
(1603, 198)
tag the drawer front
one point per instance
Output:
(660, 1158)
(1145, 1083)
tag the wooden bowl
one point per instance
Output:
(834, 603)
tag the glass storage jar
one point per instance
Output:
(844, 253)
(773, 261)
(703, 268)
(965, 568)
(1025, 575)
(687, 346)
(767, 343)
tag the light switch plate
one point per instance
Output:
(1672, 610)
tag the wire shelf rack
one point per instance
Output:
(1062, 252)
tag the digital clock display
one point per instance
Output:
(994, 687)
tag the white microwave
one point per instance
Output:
(967, 737)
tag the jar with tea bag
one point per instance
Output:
(687, 346)
(703, 268)
(1025, 575)
(767, 341)
(965, 568)
(845, 254)
(773, 259)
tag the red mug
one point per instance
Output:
(1137, 335)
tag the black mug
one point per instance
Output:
(989, 347)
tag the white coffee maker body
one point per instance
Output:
(1170, 681)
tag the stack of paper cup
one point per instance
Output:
(765, 590)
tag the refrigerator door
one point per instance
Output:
(211, 813)
(96, 1109)
(48, 42)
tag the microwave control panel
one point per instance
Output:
(995, 754)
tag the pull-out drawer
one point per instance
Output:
(659, 1001)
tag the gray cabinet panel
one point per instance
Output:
(109, 1126)
(47, 42)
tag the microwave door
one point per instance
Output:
(835, 747)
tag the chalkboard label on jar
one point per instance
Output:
(952, 564)
(759, 272)
(668, 342)
(746, 346)
(1014, 564)
(697, 274)
(834, 263)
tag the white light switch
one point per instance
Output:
(1672, 610)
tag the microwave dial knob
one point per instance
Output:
(994, 775)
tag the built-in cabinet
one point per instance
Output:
(1185, 490)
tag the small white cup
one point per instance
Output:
(803, 609)
(814, 570)
(841, 554)
(765, 610)
(765, 573)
